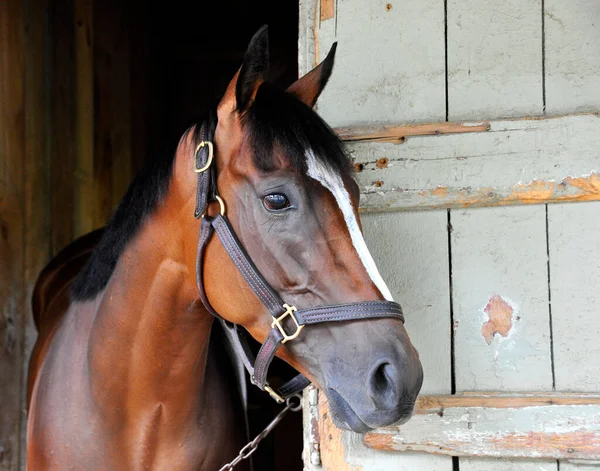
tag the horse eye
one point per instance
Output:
(276, 202)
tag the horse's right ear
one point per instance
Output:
(244, 85)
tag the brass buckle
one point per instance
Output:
(221, 206)
(273, 394)
(289, 311)
(210, 156)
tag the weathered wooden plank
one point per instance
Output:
(516, 162)
(571, 52)
(327, 9)
(62, 122)
(494, 59)
(84, 188)
(12, 162)
(574, 291)
(500, 297)
(37, 177)
(411, 250)
(112, 159)
(395, 75)
(397, 134)
(538, 432)
(501, 316)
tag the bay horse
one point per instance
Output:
(130, 369)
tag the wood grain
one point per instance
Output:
(327, 9)
(385, 71)
(499, 426)
(574, 273)
(37, 176)
(494, 59)
(12, 231)
(84, 184)
(506, 165)
(401, 132)
(572, 60)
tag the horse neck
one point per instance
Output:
(149, 338)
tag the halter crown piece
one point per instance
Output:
(288, 321)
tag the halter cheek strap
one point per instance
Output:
(288, 321)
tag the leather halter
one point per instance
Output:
(288, 321)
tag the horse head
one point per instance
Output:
(288, 188)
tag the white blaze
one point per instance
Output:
(333, 182)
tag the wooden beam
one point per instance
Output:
(399, 133)
(536, 425)
(327, 9)
(12, 233)
(454, 165)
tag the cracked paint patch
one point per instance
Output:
(500, 319)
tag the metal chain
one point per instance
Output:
(290, 405)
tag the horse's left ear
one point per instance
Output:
(254, 69)
(308, 88)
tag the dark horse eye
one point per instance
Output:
(276, 201)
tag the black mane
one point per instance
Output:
(275, 118)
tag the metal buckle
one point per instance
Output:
(221, 206)
(210, 156)
(289, 311)
(273, 394)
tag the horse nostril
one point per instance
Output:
(383, 385)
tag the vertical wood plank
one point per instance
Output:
(494, 59)
(112, 106)
(84, 198)
(12, 158)
(572, 58)
(62, 123)
(500, 298)
(385, 71)
(575, 286)
(411, 251)
(37, 177)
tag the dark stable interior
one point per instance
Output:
(193, 51)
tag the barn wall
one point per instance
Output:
(66, 157)
(473, 69)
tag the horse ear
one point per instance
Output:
(308, 88)
(254, 69)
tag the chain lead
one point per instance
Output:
(290, 405)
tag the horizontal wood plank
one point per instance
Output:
(508, 162)
(399, 133)
(541, 425)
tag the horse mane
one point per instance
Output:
(275, 118)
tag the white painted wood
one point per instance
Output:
(499, 464)
(494, 59)
(411, 250)
(541, 432)
(513, 161)
(579, 466)
(572, 51)
(499, 269)
(501, 252)
(390, 62)
(574, 234)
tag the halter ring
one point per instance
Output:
(289, 311)
(210, 156)
(221, 206)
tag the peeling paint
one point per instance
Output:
(500, 319)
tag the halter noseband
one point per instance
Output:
(288, 321)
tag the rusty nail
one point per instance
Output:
(383, 162)
(388, 7)
(378, 183)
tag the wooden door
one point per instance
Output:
(475, 133)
